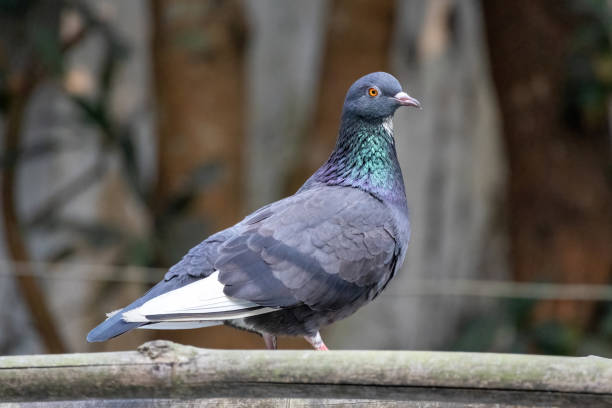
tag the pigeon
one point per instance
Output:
(307, 260)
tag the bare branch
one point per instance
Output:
(34, 297)
(163, 370)
(68, 193)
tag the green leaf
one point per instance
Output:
(554, 337)
(48, 48)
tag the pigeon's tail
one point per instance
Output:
(115, 325)
(111, 327)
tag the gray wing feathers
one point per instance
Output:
(198, 262)
(324, 248)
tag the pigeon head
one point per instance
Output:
(365, 156)
(376, 95)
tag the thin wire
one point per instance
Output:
(86, 272)
(507, 289)
(413, 287)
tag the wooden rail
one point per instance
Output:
(161, 373)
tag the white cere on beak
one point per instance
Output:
(406, 100)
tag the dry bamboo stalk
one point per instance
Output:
(166, 370)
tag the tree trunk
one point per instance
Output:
(23, 69)
(560, 202)
(199, 70)
(357, 43)
(198, 63)
(284, 71)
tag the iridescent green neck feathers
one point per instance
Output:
(365, 158)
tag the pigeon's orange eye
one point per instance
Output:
(373, 92)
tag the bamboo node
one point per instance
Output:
(156, 348)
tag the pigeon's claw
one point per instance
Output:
(317, 342)
(322, 347)
(270, 341)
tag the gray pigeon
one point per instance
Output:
(307, 260)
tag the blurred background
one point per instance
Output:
(130, 131)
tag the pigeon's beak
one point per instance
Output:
(406, 100)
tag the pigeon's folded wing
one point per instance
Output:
(324, 247)
(202, 300)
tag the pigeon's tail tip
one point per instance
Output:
(93, 337)
(111, 327)
(98, 335)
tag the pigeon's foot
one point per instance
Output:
(270, 341)
(317, 342)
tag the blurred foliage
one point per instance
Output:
(35, 52)
(513, 329)
(588, 96)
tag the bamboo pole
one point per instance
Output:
(166, 370)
